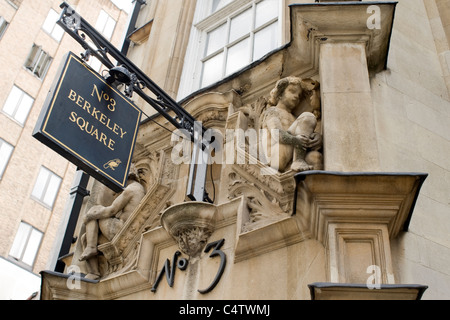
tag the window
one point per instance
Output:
(5, 153)
(3, 26)
(38, 61)
(229, 35)
(46, 187)
(105, 25)
(219, 4)
(26, 244)
(50, 26)
(18, 105)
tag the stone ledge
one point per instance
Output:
(344, 291)
(356, 197)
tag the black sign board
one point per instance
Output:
(89, 123)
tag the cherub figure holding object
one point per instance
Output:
(290, 139)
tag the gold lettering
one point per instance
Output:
(103, 138)
(103, 119)
(80, 101)
(115, 129)
(87, 106)
(111, 144)
(81, 124)
(73, 117)
(72, 95)
(122, 133)
(95, 113)
(108, 126)
(99, 96)
(86, 128)
(95, 133)
(92, 131)
(112, 105)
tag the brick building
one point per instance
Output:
(35, 181)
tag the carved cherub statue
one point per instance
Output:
(290, 138)
(108, 220)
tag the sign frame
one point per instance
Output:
(64, 144)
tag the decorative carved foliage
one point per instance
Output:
(258, 210)
(190, 224)
(192, 240)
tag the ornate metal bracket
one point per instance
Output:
(96, 45)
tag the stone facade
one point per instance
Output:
(373, 216)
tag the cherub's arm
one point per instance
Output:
(273, 124)
(107, 212)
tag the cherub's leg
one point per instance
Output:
(315, 158)
(304, 126)
(91, 240)
(92, 267)
(299, 163)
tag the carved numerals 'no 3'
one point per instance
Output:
(183, 263)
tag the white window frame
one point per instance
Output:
(38, 61)
(50, 26)
(45, 191)
(26, 245)
(205, 22)
(15, 107)
(6, 151)
(3, 26)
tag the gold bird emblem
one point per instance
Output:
(112, 164)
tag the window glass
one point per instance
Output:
(32, 247)
(52, 190)
(238, 56)
(38, 61)
(266, 11)
(26, 244)
(18, 105)
(20, 241)
(105, 24)
(265, 41)
(225, 41)
(216, 39)
(46, 187)
(219, 4)
(3, 26)
(240, 25)
(51, 27)
(13, 101)
(212, 70)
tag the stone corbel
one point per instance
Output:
(354, 215)
(190, 224)
(345, 22)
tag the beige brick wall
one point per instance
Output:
(29, 154)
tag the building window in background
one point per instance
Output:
(50, 26)
(3, 26)
(105, 25)
(18, 105)
(26, 245)
(46, 187)
(38, 61)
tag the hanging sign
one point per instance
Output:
(89, 123)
